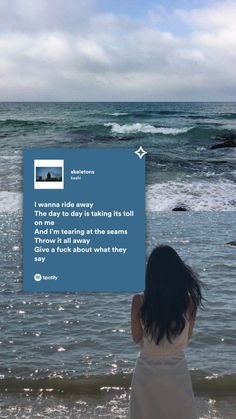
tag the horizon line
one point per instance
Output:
(118, 101)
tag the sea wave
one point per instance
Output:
(99, 384)
(164, 196)
(10, 201)
(144, 128)
(195, 195)
(119, 113)
(228, 127)
(11, 122)
(157, 112)
(227, 115)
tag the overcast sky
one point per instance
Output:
(114, 50)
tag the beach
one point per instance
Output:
(71, 355)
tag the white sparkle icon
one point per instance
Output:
(140, 152)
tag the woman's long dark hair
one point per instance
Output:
(171, 289)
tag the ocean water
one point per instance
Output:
(181, 167)
(71, 355)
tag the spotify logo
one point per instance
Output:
(37, 277)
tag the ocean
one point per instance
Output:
(71, 355)
(182, 169)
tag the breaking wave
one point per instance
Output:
(98, 384)
(196, 196)
(10, 201)
(144, 128)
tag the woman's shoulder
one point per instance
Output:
(190, 314)
(138, 298)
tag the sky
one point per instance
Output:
(117, 50)
(43, 171)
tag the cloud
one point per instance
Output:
(79, 50)
(36, 16)
(218, 15)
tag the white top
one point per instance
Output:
(165, 348)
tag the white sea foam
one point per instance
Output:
(230, 126)
(197, 196)
(10, 201)
(119, 113)
(145, 128)
(201, 148)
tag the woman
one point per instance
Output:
(162, 321)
